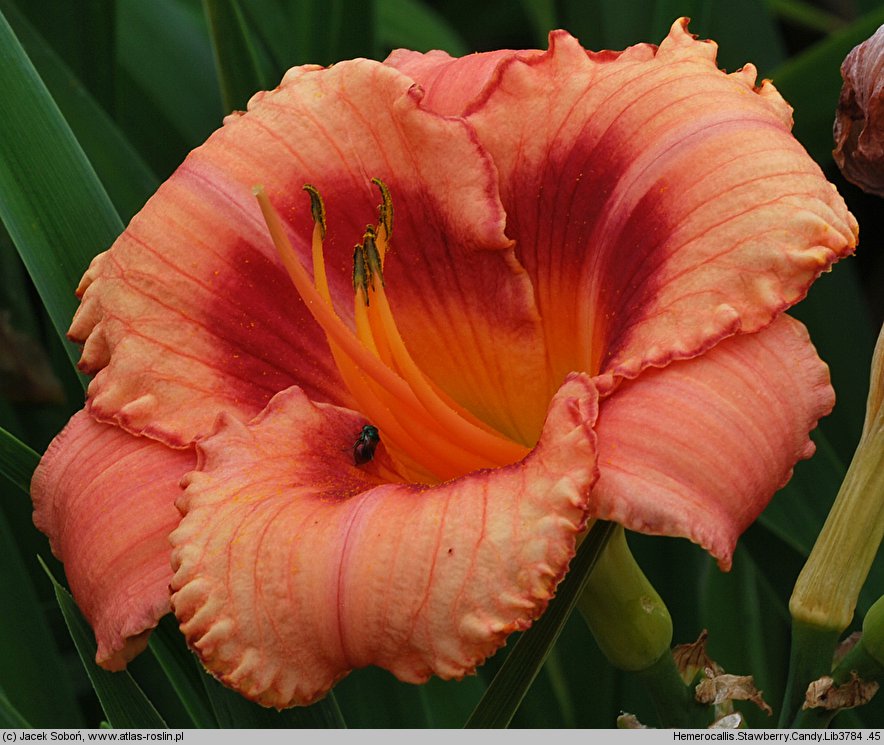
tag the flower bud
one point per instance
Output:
(859, 122)
(829, 584)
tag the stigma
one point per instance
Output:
(428, 436)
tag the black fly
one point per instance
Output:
(366, 444)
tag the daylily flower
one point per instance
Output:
(577, 313)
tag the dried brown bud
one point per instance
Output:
(718, 688)
(692, 659)
(824, 694)
(859, 122)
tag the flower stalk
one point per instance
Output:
(864, 663)
(825, 594)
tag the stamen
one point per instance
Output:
(349, 354)
(425, 431)
(323, 313)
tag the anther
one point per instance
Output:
(385, 209)
(317, 207)
(372, 257)
(361, 273)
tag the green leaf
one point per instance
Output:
(9, 715)
(51, 201)
(128, 180)
(296, 32)
(849, 355)
(804, 14)
(123, 702)
(17, 461)
(542, 15)
(811, 82)
(232, 710)
(748, 625)
(350, 29)
(373, 698)
(797, 512)
(240, 72)
(167, 646)
(745, 32)
(274, 30)
(164, 48)
(37, 686)
(448, 703)
(502, 699)
(413, 25)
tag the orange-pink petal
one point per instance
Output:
(658, 204)
(190, 311)
(698, 448)
(106, 500)
(294, 566)
(452, 84)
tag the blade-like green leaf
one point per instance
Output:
(502, 699)
(162, 41)
(240, 72)
(372, 698)
(748, 626)
(167, 646)
(811, 82)
(744, 31)
(123, 702)
(128, 180)
(849, 355)
(798, 510)
(31, 668)
(448, 703)
(99, 25)
(543, 18)
(351, 29)
(51, 201)
(10, 716)
(274, 29)
(623, 23)
(17, 461)
(809, 16)
(413, 25)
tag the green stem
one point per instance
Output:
(811, 658)
(865, 660)
(673, 700)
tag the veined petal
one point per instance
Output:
(106, 500)
(190, 310)
(683, 451)
(658, 204)
(293, 566)
(452, 84)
